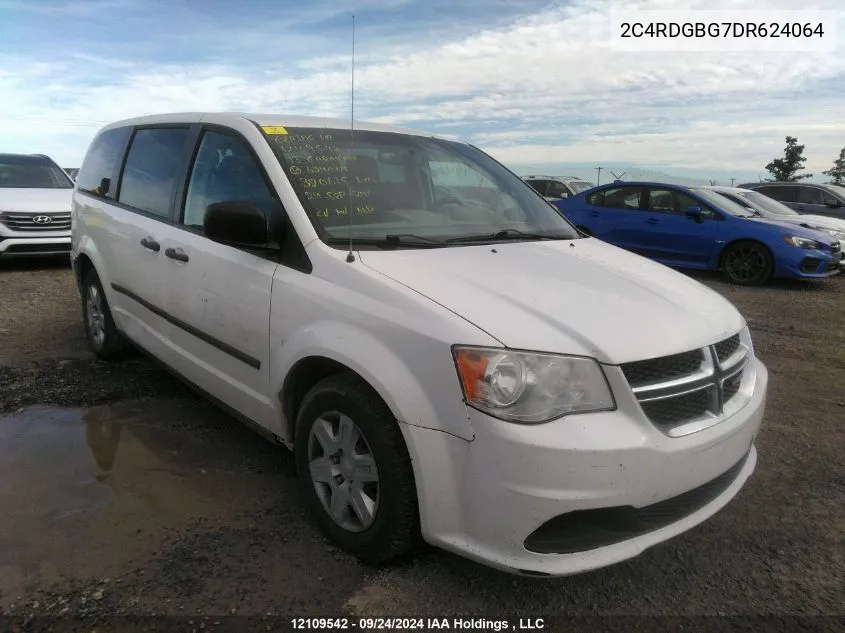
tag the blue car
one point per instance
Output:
(690, 227)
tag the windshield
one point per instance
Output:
(580, 185)
(765, 204)
(415, 187)
(28, 172)
(838, 190)
(722, 203)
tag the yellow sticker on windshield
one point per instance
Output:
(274, 129)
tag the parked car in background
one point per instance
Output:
(804, 197)
(695, 227)
(774, 210)
(35, 203)
(557, 187)
(480, 375)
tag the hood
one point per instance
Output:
(795, 228)
(36, 200)
(573, 297)
(821, 221)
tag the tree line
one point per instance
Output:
(786, 169)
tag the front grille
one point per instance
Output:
(674, 391)
(731, 386)
(670, 410)
(727, 348)
(27, 221)
(643, 372)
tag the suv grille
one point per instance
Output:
(679, 393)
(727, 348)
(643, 372)
(36, 221)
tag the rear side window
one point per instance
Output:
(100, 161)
(153, 167)
(779, 192)
(622, 198)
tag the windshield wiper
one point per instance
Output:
(505, 234)
(391, 241)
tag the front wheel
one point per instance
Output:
(747, 264)
(355, 471)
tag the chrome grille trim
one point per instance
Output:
(25, 222)
(723, 363)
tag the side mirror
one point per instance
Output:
(564, 195)
(695, 214)
(237, 224)
(833, 204)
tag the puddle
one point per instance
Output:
(84, 491)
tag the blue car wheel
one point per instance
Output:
(747, 263)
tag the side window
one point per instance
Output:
(829, 199)
(780, 193)
(596, 198)
(622, 198)
(557, 190)
(224, 170)
(685, 202)
(100, 161)
(153, 167)
(810, 195)
(538, 185)
(662, 201)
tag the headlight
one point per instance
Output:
(802, 242)
(531, 387)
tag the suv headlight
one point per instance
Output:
(531, 387)
(802, 242)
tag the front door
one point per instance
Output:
(219, 295)
(665, 231)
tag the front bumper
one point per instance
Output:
(15, 245)
(810, 264)
(484, 498)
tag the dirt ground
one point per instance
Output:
(123, 493)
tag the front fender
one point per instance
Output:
(430, 399)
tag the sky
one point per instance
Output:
(534, 83)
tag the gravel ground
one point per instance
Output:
(202, 518)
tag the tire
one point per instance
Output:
(747, 263)
(394, 526)
(104, 339)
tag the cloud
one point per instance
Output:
(539, 86)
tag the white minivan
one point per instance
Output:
(448, 358)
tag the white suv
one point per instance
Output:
(35, 199)
(448, 358)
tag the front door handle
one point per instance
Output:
(176, 253)
(150, 244)
(652, 221)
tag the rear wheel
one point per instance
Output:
(355, 470)
(747, 263)
(104, 339)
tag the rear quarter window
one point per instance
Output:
(100, 163)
